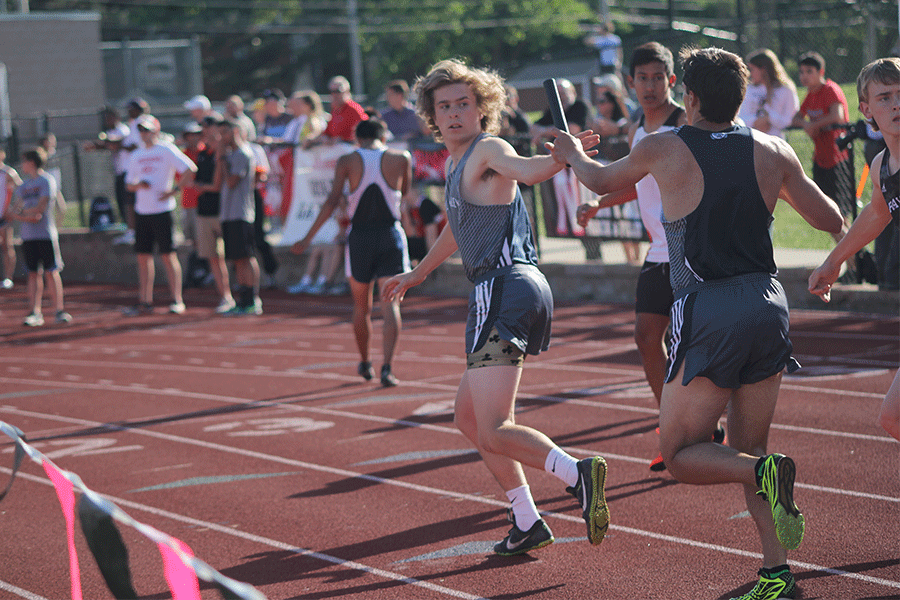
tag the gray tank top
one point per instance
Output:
(491, 236)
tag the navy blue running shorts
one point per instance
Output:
(376, 253)
(516, 301)
(732, 331)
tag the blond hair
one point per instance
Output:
(883, 70)
(767, 60)
(487, 85)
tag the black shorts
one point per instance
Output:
(837, 183)
(732, 331)
(376, 253)
(153, 229)
(123, 196)
(41, 253)
(429, 211)
(516, 301)
(239, 239)
(654, 289)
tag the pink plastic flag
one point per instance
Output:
(67, 500)
(182, 579)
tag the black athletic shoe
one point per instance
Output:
(520, 542)
(388, 380)
(365, 370)
(591, 495)
(658, 464)
(719, 435)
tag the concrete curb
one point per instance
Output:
(92, 257)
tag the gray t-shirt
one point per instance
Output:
(237, 202)
(31, 191)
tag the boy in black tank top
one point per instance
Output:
(878, 87)
(732, 353)
(510, 309)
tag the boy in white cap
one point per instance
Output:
(151, 176)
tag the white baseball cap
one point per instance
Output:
(199, 102)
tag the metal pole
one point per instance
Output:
(128, 66)
(603, 10)
(79, 190)
(355, 53)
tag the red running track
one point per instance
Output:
(253, 440)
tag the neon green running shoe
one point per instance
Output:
(775, 478)
(590, 491)
(773, 584)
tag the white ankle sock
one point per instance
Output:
(523, 507)
(562, 465)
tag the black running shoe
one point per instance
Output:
(387, 379)
(365, 370)
(520, 542)
(658, 464)
(590, 493)
(719, 435)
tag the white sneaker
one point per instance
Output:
(316, 289)
(63, 317)
(125, 238)
(34, 320)
(225, 305)
(177, 308)
(6, 284)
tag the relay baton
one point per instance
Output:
(556, 108)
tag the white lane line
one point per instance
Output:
(266, 542)
(300, 374)
(446, 493)
(8, 587)
(285, 403)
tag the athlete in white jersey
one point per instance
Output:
(378, 177)
(652, 76)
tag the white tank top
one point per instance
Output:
(650, 201)
(372, 175)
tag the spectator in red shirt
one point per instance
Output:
(345, 115)
(825, 106)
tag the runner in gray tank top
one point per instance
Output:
(715, 180)
(510, 308)
(878, 88)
